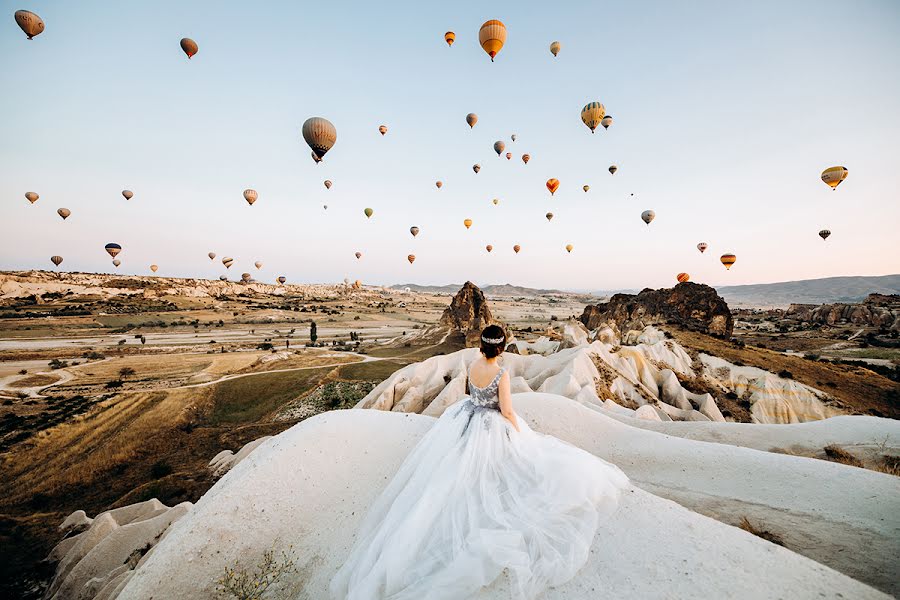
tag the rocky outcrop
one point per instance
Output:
(691, 305)
(878, 310)
(468, 314)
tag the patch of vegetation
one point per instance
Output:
(835, 453)
(249, 399)
(759, 532)
(57, 364)
(260, 581)
(160, 469)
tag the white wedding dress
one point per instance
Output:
(475, 497)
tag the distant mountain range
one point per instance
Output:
(810, 291)
(501, 289)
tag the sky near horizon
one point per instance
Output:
(725, 114)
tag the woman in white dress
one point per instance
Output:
(480, 494)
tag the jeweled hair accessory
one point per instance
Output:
(492, 340)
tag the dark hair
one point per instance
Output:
(493, 332)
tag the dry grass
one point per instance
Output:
(747, 526)
(835, 453)
(889, 465)
(34, 381)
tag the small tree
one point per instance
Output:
(313, 336)
(126, 372)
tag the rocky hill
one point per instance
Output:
(877, 310)
(692, 305)
(468, 313)
(811, 291)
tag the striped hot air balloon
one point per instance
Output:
(516, 248)
(250, 196)
(682, 277)
(113, 249)
(227, 261)
(476, 168)
(282, 279)
(592, 114)
(327, 184)
(526, 158)
(411, 258)
(833, 176)
(449, 37)
(56, 259)
(320, 134)
(492, 36)
(702, 246)
(728, 260)
(824, 234)
(606, 121)
(552, 185)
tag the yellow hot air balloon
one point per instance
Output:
(128, 194)
(516, 248)
(64, 213)
(728, 260)
(211, 255)
(250, 196)
(592, 114)
(498, 147)
(683, 277)
(476, 168)
(552, 185)
(30, 23)
(492, 36)
(647, 216)
(702, 246)
(414, 230)
(526, 158)
(258, 265)
(467, 223)
(154, 268)
(586, 188)
(471, 119)
(549, 216)
(189, 46)
(554, 48)
(833, 176)
(56, 259)
(357, 284)
(508, 155)
(606, 121)
(369, 212)
(358, 255)
(320, 134)
(411, 258)
(31, 197)
(439, 184)
(382, 129)
(488, 247)
(449, 37)
(496, 201)
(327, 184)
(569, 247)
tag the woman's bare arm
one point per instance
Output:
(506, 407)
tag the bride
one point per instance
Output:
(480, 495)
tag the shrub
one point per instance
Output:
(160, 469)
(245, 584)
(785, 374)
(23, 372)
(114, 384)
(126, 372)
(57, 364)
(835, 453)
(265, 346)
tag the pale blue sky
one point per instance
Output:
(725, 114)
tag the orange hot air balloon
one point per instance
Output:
(471, 119)
(682, 277)
(439, 184)
(154, 268)
(382, 129)
(833, 176)
(449, 37)
(29, 22)
(526, 158)
(467, 223)
(488, 247)
(728, 260)
(569, 247)
(64, 213)
(508, 155)
(189, 46)
(411, 258)
(492, 36)
(552, 185)
(516, 248)
(31, 197)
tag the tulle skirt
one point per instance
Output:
(475, 497)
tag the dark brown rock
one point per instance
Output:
(468, 313)
(691, 305)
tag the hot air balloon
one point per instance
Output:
(189, 46)
(56, 259)
(569, 247)
(246, 277)
(369, 212)
(513, 137)
(358, 255)
(113, 249)
(414, 230)
(508, 155)
(258, 265)
(833, 176)
(554, 48)
(492, 36)
(592, 114)
(498, 147)
(64, 213)
(606, 121)
(327, 184)
(325, 206)
(282, 279)
(116, 262)
(702, 246)
(227, 261)
(586, 188)
(411, 258)
(613, 169)
(488, 247)
(516, 248)
(682, 277)
(439, 184)
(476, 168)
(154, 268)
(526, 158)
(471, 119)
(128, 194)
(30, 23)
(496, 201)
(382, 129)
(449, 37)
(552, 185)
(824, 234)
(647, 216)
(357, 284)
(223, 278)
(250, 196)
(467, 223)
(549, 216)
(320, 134)
(31, 197)
(728, 260)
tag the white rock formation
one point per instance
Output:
(225, 460)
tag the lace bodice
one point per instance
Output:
(488, 396)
